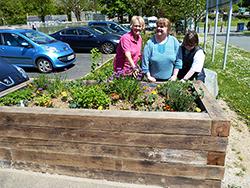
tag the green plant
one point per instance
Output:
(102, 74)
(233, 186)
(42, 82)
(126, 87)
(43, 100)
(179, 96)
(89, 97)
(56, 86)
(234, 80)
(95, 58)
(15, 98)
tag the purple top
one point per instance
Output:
(127, 44)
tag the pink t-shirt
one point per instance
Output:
(127, 44)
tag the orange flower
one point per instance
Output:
(114, 96)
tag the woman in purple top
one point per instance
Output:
(128, 51)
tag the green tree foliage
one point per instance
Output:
(15, 12)
(77, 6)
(12, 12)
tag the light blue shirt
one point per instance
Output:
(160, 59)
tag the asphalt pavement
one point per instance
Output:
(80, 68)
(238, 39)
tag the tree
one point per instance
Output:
(42, 7)
(77, 6)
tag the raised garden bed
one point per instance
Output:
(170, 149)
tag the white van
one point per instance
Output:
(150, 22)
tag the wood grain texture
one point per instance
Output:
(147, 122)
(117, 164)
(118, 176)
(216, 158)
(207, 143)
(220, 122)
(131, 152)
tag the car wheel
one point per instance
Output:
(108, 48)
(44, 65)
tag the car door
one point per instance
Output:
(1, 49)
(88, 40)
(70, 36)
(13, 52)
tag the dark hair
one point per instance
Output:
(191, 39)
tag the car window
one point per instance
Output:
(1, 39)
(101, 24)
(83, 32)
(38, 37)
(100, 29)
(69, 32)
(11, 39)
(114, 27)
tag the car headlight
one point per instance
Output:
(51, 49)
(116, 41)
(24, 74)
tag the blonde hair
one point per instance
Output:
(139, 19)
(165, 22)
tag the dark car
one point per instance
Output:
(29, 48)
(105, 29)
(112, 25)
(86, 38)
(11, 78)
(179, 26)
(248, 26)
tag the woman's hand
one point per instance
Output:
(151, 79)
(173, 78)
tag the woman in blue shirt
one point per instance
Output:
(162, 56)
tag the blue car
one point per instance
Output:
(112, 25)
(86, 38)
(29, 48)
(11, 78)
(104, 29)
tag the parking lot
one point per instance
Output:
(80, 68)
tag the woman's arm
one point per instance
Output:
(197, 64)
(145, 62)
(130, 60)
(174, 76)
(178, 61)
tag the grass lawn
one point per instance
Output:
(234, 81)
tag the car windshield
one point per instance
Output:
(38, 37)
(99, 30)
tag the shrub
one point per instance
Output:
(179, 96)
(89, 97)
(16, 98)
(126, 87)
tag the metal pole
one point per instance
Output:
(206, 27)
(228, 33)
(215, 30)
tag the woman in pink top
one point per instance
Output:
(128, 51)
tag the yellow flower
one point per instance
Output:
(100, 108)
(197, 109)
(64, 94)
(153, 92)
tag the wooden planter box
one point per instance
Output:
(169, 149)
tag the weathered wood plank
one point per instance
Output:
(138, 153)
(5, 154)
(127, 177)
(116, 164)
(220, 122)
(216, 158)
(148, 122)
(207, 143)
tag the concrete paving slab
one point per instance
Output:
(11, 178)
